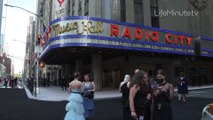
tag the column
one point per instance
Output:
(79, 66)
(147, 12)
(97, 70)
(130, 11)
(58, 77)
(50, 72)
(95, 8)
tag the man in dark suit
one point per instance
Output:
(63, 83)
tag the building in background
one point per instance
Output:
(110, 38)
(2, 43)
(2, 70)
(1, 9)
(7, 64)
(1, 34)
(3, 14)
(29, 48)
(5, 61)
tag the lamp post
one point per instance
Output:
(20, 41)
(22, 9)
(40, 18)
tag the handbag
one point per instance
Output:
(89, 94)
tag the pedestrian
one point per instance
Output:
(124, 89)
(11, 82)
(5, 82)
(136, 70)
(30, 84)
(182, 87)
(48, 82)
(15, 81)
(163, 94)
(75, 108)
(88, 89)
(44, 81)
(140, 96)
(63, 83)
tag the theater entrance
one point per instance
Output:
(150, 69)
(111, 79)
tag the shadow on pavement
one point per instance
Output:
(14, 105)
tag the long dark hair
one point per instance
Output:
(137, 78)
(88, 75)
(161, 72)
(76, 75)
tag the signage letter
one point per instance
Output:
(138, 33)
(167, 38)
(147, 35)
(56, 29)
(176, 40)
(189, 39)
(154, 36)
(181, 39)
(126, 33)
(114, 30)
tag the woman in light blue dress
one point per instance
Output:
(75, 108)
(88, 89)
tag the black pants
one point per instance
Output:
(63, 86)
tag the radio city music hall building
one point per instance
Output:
(111, 38)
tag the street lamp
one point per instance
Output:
(37, 67)
(20, 41)
(22, 9)
(27, 11)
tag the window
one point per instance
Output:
(138, 11)
(69, 7)
(115, 11)
(80, 8)
(73, 3)
(73, 12)
(123, 10)
(86, 8)
(154, 12)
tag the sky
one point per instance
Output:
(16, 21)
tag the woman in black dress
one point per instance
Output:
(163, 94)
(182, 87)
(124, 89)
(140, 96)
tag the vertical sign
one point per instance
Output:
(59, 9)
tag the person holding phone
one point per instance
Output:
(163, 94)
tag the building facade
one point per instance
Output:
(111, 38)
(29, 55)
(1, 35)
(5, 62)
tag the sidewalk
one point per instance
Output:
(55, 93)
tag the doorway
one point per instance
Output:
(111, 79)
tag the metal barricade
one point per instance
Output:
(206, 115)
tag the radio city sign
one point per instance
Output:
(141, 34)
(125, 35)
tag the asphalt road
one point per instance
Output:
(14, 105)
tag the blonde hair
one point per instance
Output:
(126, 78)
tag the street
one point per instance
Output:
(16, 106)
